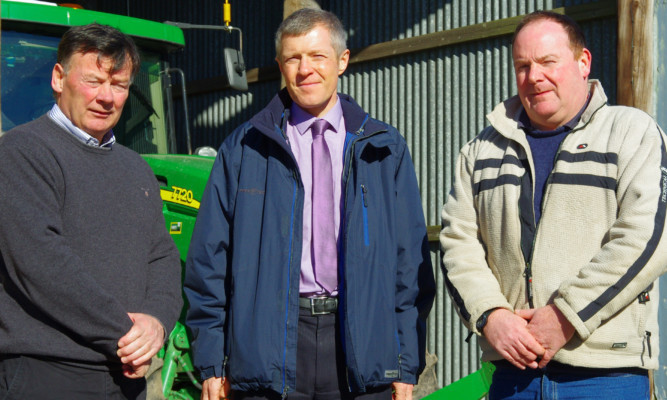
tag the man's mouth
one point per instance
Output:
(540, 92)
(307, 84)
(101, 114)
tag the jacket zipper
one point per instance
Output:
(528, 271)
(646, 345)
(289, 287)
(528, 274)
(224, 366)
(400, 360)
(364, 202)
(346, 172)
(295, 175)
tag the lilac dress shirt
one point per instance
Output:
(300, 140)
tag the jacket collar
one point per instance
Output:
(505, 116)
(272, 119)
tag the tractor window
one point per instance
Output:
(27, 62)
(143, 125)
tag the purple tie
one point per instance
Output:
(324, 252)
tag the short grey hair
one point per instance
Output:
(305, 20)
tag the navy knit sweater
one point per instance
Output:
(83, 242)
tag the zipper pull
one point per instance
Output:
(529, 284)
(364, 195)
(648, 342)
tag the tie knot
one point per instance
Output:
(319, 126)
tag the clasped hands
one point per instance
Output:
(140, 344)
(528, 338)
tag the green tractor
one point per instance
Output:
(30, 35)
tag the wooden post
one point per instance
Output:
(635, 62)
(289, 6)
(635, 54)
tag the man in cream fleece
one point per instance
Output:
(553, 234)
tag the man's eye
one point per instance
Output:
(120, 87)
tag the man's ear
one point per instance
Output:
(585, 62)
(57, 78)
(343, 60)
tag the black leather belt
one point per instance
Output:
(319, 305)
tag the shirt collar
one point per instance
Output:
(58, 117)
(302, 120)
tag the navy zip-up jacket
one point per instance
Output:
(243, 267)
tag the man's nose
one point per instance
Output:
(105, 94)
(534, 73)
(305, 66)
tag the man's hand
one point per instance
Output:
(137, 372)
(141, 343)
(402, 391)
(508, 334)
(215, 389)
(550, 328)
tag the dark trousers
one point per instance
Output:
(320, 365)
(24, 378)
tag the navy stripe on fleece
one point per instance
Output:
(496, 162)
(597, 181)
(489, 184)
(602, 158)
(456, 296)
(658, 227)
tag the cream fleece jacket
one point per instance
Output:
(599, 246)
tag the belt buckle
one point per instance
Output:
(312, 307)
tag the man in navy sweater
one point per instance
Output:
(90, 279)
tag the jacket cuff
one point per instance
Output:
(210, 372)
(407, 377)
(572, 317)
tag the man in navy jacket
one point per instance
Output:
(262, 322)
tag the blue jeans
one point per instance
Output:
(560, 382)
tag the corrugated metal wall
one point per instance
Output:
(437, 99)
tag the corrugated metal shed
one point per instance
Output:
(437, 98)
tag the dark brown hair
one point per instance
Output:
(103, 40)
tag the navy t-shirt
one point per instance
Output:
(544, 145)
